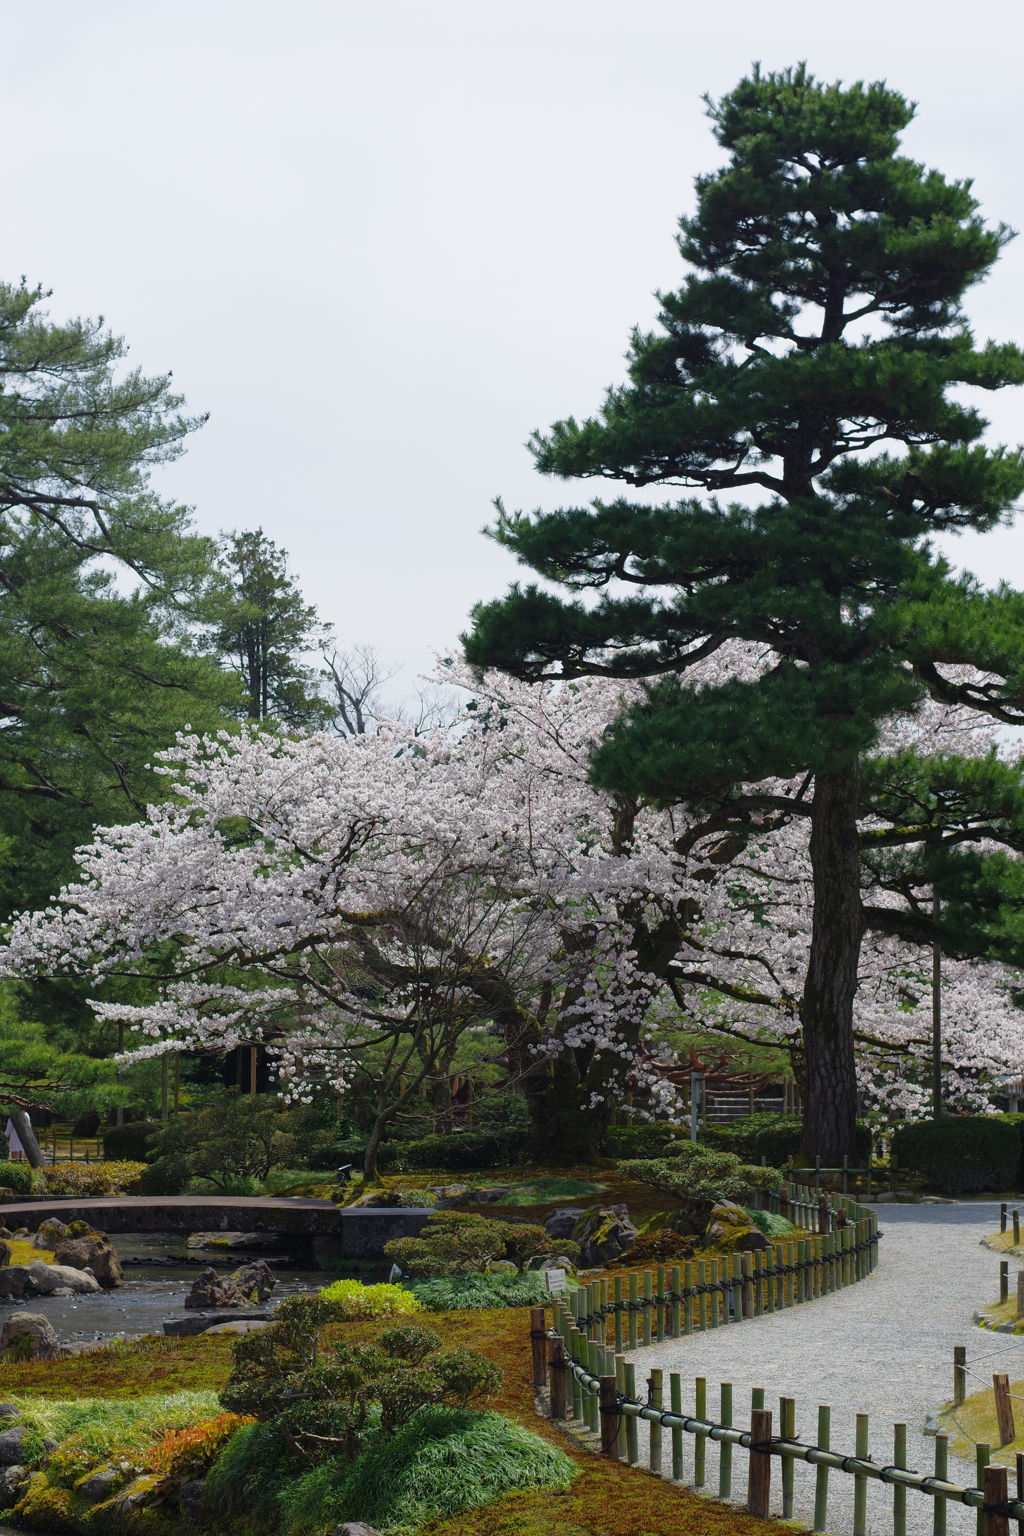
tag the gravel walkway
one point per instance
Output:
(883, 1347)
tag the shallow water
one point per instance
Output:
(150, 1293)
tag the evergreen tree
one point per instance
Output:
(93, 679)
(261, 626)
(815, 356)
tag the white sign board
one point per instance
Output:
(555, 1279)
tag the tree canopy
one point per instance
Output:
(814, 359)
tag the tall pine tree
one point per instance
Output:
(817, 354)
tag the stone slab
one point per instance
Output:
(199, 1322)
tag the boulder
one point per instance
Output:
(731, 1228)
(13, 1482)
(241, 1325)
(502, 1267)
(90, 1253)
(28, 1337)
(190, 1501)
(488, 1196)
(254, 1280)
(11, 1446)
(50, 1233)
(5, 1254)
(562, 1223)
(560, 1262)
(355, 1528)
(9, 1411)
(204, 1322)
(100, 1483)
(211, 1290)
(49, 1277)
(604, 1235)
(226, 1240)
(373, 1200)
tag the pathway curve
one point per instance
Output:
(884, 1346)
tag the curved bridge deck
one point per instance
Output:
(338, 1233)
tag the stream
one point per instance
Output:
(154, 1291)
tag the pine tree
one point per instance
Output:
(261, 626)
(814, 356)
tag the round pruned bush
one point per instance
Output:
(960, 1154)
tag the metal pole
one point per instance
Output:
(936, 1020)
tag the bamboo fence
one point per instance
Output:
(593, 1383)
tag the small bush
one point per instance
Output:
(130, 1143)
(167, 1176)
(17, 1177)
(467, 1149)
(459, 1292)
(188, 1452)
(442, 1462)
(773, 1226)
(461, 1243)
(332, 1152)
(362, 1301)
(92, 1179)
(639, 1140)
(698, 1178)
(960, 1154)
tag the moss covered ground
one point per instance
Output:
(608, 1499)
(974, 1423)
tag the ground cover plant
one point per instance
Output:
(353, 1299)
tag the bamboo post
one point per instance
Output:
(700, 1441)
(590, 1414)
(538, 1343)
(1002, 1217)
(1004, 1409)
(1004, 1281)
(688, 1273)
(609, 1417)
(618, 1314)
(997, 1522)
(981, 1461)
(1016, 1229)
(860, 1482)
(789, 1280)
(675, 1387)
(736, 1289)
(770, 1282)
(725, 1451)
(759, 1477)
(941, 1473)
(654, 1436)
(632, 1449)
(787, 1429)
(659, 1310)
(959, 1374)
(648, 1300)
(899, 1493)
(577, 1390)
(716, 1295)
(702, 1273)
(634, 1304)
(557, 1368)
(821, 1473)
(1020, 1492)
(676, 1287)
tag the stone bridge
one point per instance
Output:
(317, 1228)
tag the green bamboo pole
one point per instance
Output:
(700, 1441)
(632, 1449)
(821, 1475)
(860, 1482)
(715, 1297)
(941, 1472)
(725, 1450)
(688, 1281)
(648, 1298)
(771, 1281)
(899, 1495)
(757, 1399)
(702, 1270)
(790, 1279)
(592, 1368)
(676, 1286)
(602, 1327)
(982, 1456)
(577, 1390)
(675, 1388)
(618, 1314)
(659, 1311)
(654, 1436)
(737, 1289)
(787, 1429)
(759, 1264)
(633, 1298)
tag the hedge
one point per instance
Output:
(959, 1154)
(774, 1137)
(130, 1143)
(466, 1149)
(641, 1140)
(17, 1177)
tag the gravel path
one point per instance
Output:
(883, 1347)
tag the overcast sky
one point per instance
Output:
(380, 243)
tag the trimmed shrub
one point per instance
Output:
(92, 1179)
(130, 1143)
(772, 1136)
(466, 1149)
(640, 1140)
(167, 1176)
(698, 1178)
(332, 1152)
(960, 1154)
(442, 1462)
(460, 1243)
(359, 1300)
(1017, 1121)
(17, 1177)
(464, 1292)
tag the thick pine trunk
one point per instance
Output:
(567, 1129)
(830, 1096)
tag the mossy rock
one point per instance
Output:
(47, 1507)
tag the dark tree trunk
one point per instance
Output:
(830, 1094)
(567, 1130)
